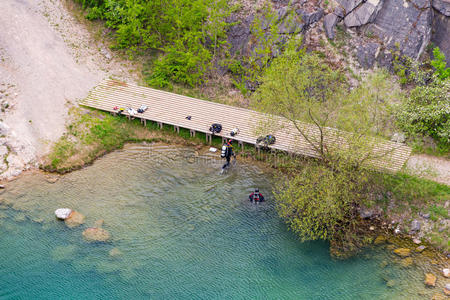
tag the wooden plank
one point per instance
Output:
(172, 109)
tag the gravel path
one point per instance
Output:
(47, 59)
(431, 167)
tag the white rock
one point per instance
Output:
(63, 213)
(212, 149)
(416, 241)
(446, 272)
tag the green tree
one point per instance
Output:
(304, 97)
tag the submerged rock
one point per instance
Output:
(390, 283)
(430, 279)
(381, 239)
(446, 272)
(406, 262)
(63, 213)
(96, 234)
(115, 252)
(75, 219)
(403, 252)
(99, 223)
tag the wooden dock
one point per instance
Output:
(171, 109)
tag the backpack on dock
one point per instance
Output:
(215, 128)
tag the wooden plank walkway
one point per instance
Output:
(172, 109)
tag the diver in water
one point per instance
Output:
(227, 152)
(256, 196)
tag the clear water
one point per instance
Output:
(184, 232)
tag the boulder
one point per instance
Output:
(430, 279)
(309, 18)
(405, 25)
(364, 14)
(420, 248)
(74, 219)
(369, 213)
(442, 6)
(96, 234)
(63, 213)
(349, 5)
(329, 24)
(403, 252)
(366, 54)
(446, 272)
(4, 129)
(417, 241)
(447, 289)
(415, 225)
(398, 137)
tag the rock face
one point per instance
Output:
(74, 219)
(63, 213)
(405, 25)
(430, 279)
(441, 33)
(403, 252)
(96, 234)
(366, 54)
(442, 6)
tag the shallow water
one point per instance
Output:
(182, 232)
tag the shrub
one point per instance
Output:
(426, 111)
(439, 64)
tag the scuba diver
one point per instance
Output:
(227, 152)
(256, 196)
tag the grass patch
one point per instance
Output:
(413, 190)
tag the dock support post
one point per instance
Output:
(160, 124)
(241, 144)
(209, 138)
(192, 132)
(176, 128)
(145, 122)
(223, 140)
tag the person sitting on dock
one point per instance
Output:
(256, 196)
(227, 152)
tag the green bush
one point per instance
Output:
(439, 64)
(426, 111)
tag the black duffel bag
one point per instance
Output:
(215, 128)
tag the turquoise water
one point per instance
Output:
(179, 231)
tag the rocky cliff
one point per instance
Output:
(376, 28)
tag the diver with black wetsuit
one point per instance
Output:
(227, 152)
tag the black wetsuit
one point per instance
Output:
(228, 155)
